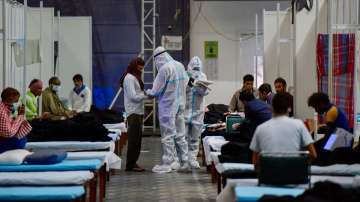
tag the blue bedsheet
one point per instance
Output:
(66, 165)
(54, 193)
(252, 194)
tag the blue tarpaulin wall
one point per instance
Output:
(116, 36)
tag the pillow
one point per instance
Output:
(13, 157)
(45, 157)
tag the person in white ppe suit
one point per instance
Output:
(195, 109)
(169, 88)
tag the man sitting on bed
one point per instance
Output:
(52, 104)
(62, 124)
(334, 117)
(31, 106)
(281, 133)
(13, 126)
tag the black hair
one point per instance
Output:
(53, 79)
(280, 80)
(246, 95)
(280, 103)
(8, 93)
(248, 77)
(317, 98)
(77, 77)
(33, 81)
(265, 88)
(132, 69)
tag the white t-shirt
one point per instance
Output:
(133, 96)
(81, 102)
(280, 134)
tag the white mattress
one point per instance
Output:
(45, 178)
(212, 143)
(215, 157)
(120, 126)
(337, 169)
(227, 194)
(111, 160)
(115, 135)
(72, 145)
(221, 167)
(334, 170)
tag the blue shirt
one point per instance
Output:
(336, 117)
(257, 112)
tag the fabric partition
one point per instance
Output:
(343, 70)
(322, 62)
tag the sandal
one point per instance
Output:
(136, 168)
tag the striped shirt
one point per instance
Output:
(12, 127)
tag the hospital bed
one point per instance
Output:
(212, 144)
(344, 175)
(32, 193)
(229, 192)
(284, 170)
(123, 138)
(94, 165)
(109, 159)
(45, 180)
(72, 146)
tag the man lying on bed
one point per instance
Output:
(13, 126)
(58, 123)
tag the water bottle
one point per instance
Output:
(125, 119)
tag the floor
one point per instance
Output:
(195, 186)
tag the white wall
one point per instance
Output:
(43, 70)
(235, 58)
(306, 38)
(15, 31)
(271, 61)
(75, 52)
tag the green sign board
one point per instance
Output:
(211, 49)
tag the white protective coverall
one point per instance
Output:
(195, 110)
(169, 88)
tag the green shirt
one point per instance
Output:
(31, 106)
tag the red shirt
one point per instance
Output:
(12, 127)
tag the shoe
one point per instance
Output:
(194, 164)
(162, 168)
(175, 165)
(185, 167)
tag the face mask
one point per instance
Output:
(196, 68)
(56, 88)
(15, 107)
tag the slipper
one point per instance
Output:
(136, 168)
